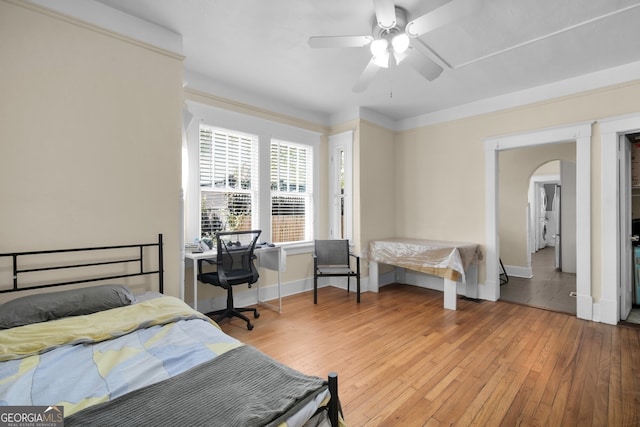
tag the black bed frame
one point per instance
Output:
(334, 403)
(17, 270)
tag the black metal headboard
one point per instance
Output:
(123, 260)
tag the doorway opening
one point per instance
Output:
(630, 227)
(541, 281)
(581, 134)
(617, 263)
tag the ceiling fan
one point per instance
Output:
(391, 37)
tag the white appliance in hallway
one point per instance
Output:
(555, 214)
(543, 221)
(544, 216)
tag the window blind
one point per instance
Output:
(291, 192)
(228, 180)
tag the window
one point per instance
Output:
(338, 228)
(340, 186)
(291, 192)
(228, 181)
(251, 174)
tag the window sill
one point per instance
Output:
(297, 248)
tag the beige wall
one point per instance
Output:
(515, 168)
(375, 192)
(549, 168)
(90, 137)
(376, 171)
(441, 188)
(440, 185)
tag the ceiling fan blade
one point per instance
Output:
(423, 65)
(366, 77)
(441, 16)
(385, 13)
(339, 41)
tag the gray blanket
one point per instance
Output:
(242, 387)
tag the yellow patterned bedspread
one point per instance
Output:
(83, 360)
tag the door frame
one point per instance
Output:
(581, 134)
(626, 205)
(611, 129)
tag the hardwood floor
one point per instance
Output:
(403, 360)
(548, 288)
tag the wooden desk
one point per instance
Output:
(453, 261)
(271, 258)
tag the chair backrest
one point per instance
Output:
(332, 252)
(235, 254)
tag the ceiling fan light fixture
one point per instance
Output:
(379, 46)
(382, 60)
(399, 57)
(400, 43)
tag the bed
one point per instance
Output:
(108, 356)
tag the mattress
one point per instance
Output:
(82, 361)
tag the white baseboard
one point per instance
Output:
(414, 278)
(515, 271)
(244, 296)
(387, 278)
(607, 311)
(597, 316)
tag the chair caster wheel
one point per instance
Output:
(256, 315)
(249, 326)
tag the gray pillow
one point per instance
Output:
(54, 305)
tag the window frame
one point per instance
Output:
(237, 153)
(342, 142)
(308, 195)
(266, 130)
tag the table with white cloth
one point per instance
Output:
(269, 257)
(453, 261)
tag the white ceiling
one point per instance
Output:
(260, 47)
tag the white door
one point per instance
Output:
(626, 248)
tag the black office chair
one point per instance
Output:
(331, 259)
(234, 260)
